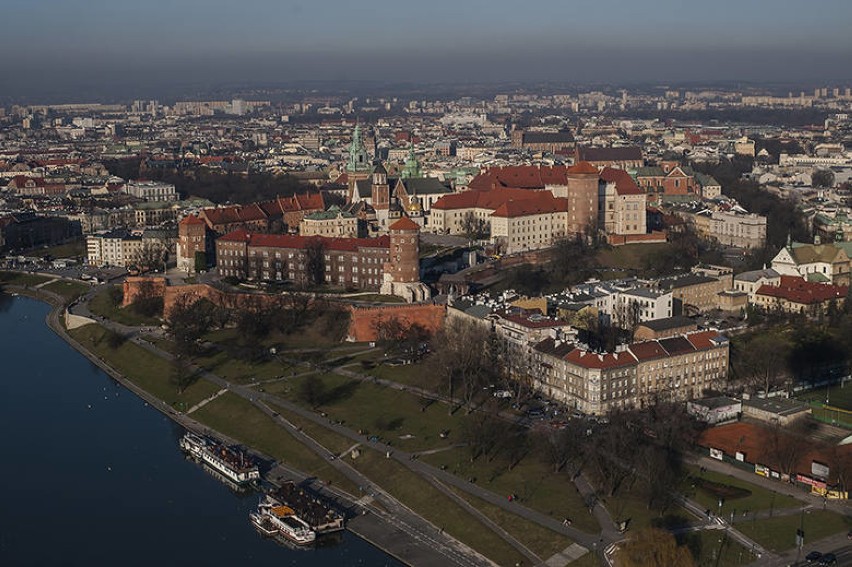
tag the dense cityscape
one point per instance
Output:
(353, 321)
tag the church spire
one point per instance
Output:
(412, 166)
(359, 159)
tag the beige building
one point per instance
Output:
(115, 248)
(731, 228)
(621, 204)
(332, 223)
(696, 292)
(675, 368)
(817, 262)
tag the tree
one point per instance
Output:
(151, 256)
(147, 301)
(463, 358)
(653, 547)
(182, 373)
(200, 261)
(756, 361)
(823, 178)
(312, 390)
(473, 227)
(189, 320)
(402, 337)
(315, 262)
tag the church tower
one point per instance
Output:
(412, 166)
(381, 189)
(358, 166)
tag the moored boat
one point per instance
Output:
(234, 464)
(273, 514)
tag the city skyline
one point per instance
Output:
(119, 46)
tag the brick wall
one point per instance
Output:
(362, 324)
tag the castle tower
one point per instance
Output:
(582, 181)
(402, 272)
(192, 238)
(381, 189)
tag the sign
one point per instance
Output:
(819, 470)
(740, 456)
(775, 474)
(716, 454)
(761, 470)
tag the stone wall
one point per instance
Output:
(362, 324)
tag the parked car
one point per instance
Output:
(813, 556)
(828, 559)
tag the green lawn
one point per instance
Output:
(103, 304)
(239, 419)
(395, 416)
(235, 370)
(73, 249)
(838, 396)
(540, 540)
(532, 481)
(779, 533)
(760, 498)
(421, 375)
(378, 298)
(332, 441)
(68, 289)
(438, 508)
(630, 504)
(631, 256)
(146, 370)
(21, 279)
(713, 547)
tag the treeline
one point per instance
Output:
(218, 187)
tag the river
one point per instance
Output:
(91, 475)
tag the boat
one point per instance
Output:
(263, 524)
(234, 464)
(318, 511)
(281, 520)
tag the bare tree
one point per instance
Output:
(473, 227)
(463, 359)
(315, 262)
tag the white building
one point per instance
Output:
(151, 190)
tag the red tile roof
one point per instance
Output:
(624, 183)
(543, 203)
(648, 350)
(519, 177)
(191, 219)
(404, 223)
(490, 199)
(300, 242)
(798, 290)
(582, 168)
(589, 359)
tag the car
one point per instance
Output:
(828, 559)
(813, 556)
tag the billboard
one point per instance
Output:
(716, 454)
(819, 470)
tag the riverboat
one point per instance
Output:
(274, 515)
(232, 463)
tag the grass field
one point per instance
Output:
(532, 481)
(838, 396)
(146, 370)
(23, 280)
(713, 547)
(758, 499)
(239, 419)
(438, 508)
(779, 533)
(396, 417)
(630, 256)
(67, 289)
(73, 249)
(540, 540)
(104, 305)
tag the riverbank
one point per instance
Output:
(377, 526)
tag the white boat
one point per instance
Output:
(263, 524)
(285, 521)
(233, 464)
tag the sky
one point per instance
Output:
(50, 45)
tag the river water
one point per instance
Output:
(90, 475)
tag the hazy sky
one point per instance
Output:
(47, 45)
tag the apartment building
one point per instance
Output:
(674, 368)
